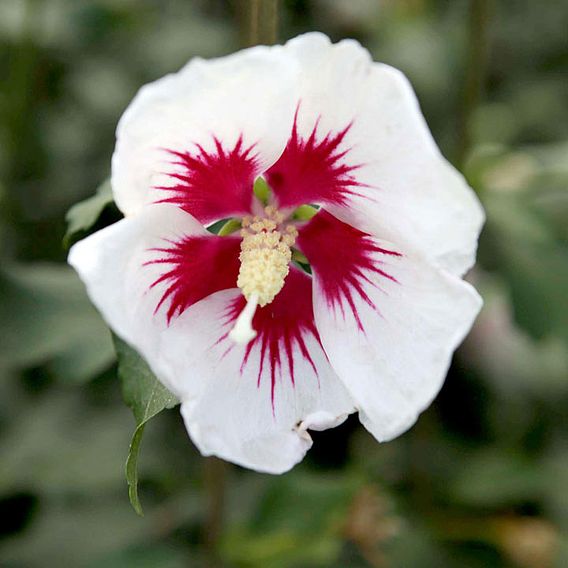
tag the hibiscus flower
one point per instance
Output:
(335, 284)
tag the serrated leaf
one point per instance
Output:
(83, 215)
(146, 397)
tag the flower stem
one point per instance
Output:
(259, 22)
(215, 478)
(475, 74)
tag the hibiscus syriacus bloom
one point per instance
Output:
(338, 292)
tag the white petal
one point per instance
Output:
(393, 357)
(414, 196)
(231, 414)
(227, 410)
(111, 264)
(250, 94)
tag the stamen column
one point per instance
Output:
(265, 255)
(265, 258)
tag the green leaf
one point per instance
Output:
(131, 469)
(496, 478)
(297, 522)
(525, 238)
(47, 318)
(83, 215)
(532, 260)
(146, 397)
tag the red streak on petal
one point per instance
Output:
(213, 185)
(195, 268)
(344, 260)
(282, 329)
(314, 169)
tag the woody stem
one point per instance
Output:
(259, 22)
(214, 477)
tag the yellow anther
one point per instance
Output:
(265, 255)
(289, 238)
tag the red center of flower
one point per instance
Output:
(218, 183)
(314, 169)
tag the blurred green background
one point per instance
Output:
(480, 481)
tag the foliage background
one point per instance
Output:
(480, 481)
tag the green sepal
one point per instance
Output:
(298, 256)
(146, 397)
(262, 190)
(231, 226)
(304, 212)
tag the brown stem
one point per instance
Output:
(259, 22)
(214, 477)
(476, 68)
